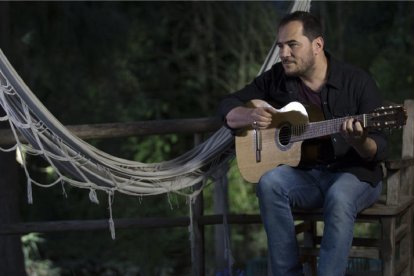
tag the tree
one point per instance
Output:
(12, 262)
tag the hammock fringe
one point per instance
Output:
(81, 165)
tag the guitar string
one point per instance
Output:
(321, 128)
(315, 129)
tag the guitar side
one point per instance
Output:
(273, 153)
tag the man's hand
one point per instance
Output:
(355, 135)
(261, 117)
(353, 132)
(258, 117)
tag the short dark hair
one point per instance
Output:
(312, 27)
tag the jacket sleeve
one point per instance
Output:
(259, 88)
(370, 99)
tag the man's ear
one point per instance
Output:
(318, 44)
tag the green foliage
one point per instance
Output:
(244, 202)
(152, 150)
(35, 264)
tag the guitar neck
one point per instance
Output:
(322, 128)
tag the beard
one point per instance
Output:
(299, 67)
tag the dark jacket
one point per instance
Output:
(348, 91)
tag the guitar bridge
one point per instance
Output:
(258, 144)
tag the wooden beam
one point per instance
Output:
(87, 225)
(141, 128)
(399, 164)
(102, 224)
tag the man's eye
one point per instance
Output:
(291, 45)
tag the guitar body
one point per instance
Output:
(275, 150)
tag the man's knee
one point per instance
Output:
(341, 197)
(265, 186)
(271, 183)
(339, 200)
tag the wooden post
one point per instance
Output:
(408, 148)
(221, 206)
(198, 229)
(198, 235)
(406, 242)
(407, 175)
(393, 184)
(388, 245)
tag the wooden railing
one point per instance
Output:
(196, 127)
(143, 128)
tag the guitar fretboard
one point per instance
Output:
(321, 128)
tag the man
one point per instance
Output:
(346, 177)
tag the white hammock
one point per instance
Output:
(82, 165)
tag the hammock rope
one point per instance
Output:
(81, 165)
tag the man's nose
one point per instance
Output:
(284, 51)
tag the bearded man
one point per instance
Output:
(345, 177)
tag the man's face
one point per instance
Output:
(295, 50)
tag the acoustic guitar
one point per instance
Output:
(258, 151)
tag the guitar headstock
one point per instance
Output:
(387, 117)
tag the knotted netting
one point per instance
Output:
(80, 164)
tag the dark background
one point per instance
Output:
(100, 62)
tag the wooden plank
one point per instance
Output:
(408, 131)
(220, 206)
(401, 232)
(102, 224)
(374, 212)
(366, 242)
(407, 175)
(197, 248)
(406, 242)
(408, 148)
(357, 241)
(308, 228)
(388, 246)
(197, 245)
(141, 128)
(370, 253)
(231, 219)
(401, 266)
(364, 273)
(393, 188)
(87, 225)
(397, 164)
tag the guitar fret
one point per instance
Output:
(319, 129)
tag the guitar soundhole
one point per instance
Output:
(285, 134)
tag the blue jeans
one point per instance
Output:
(341, 195)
